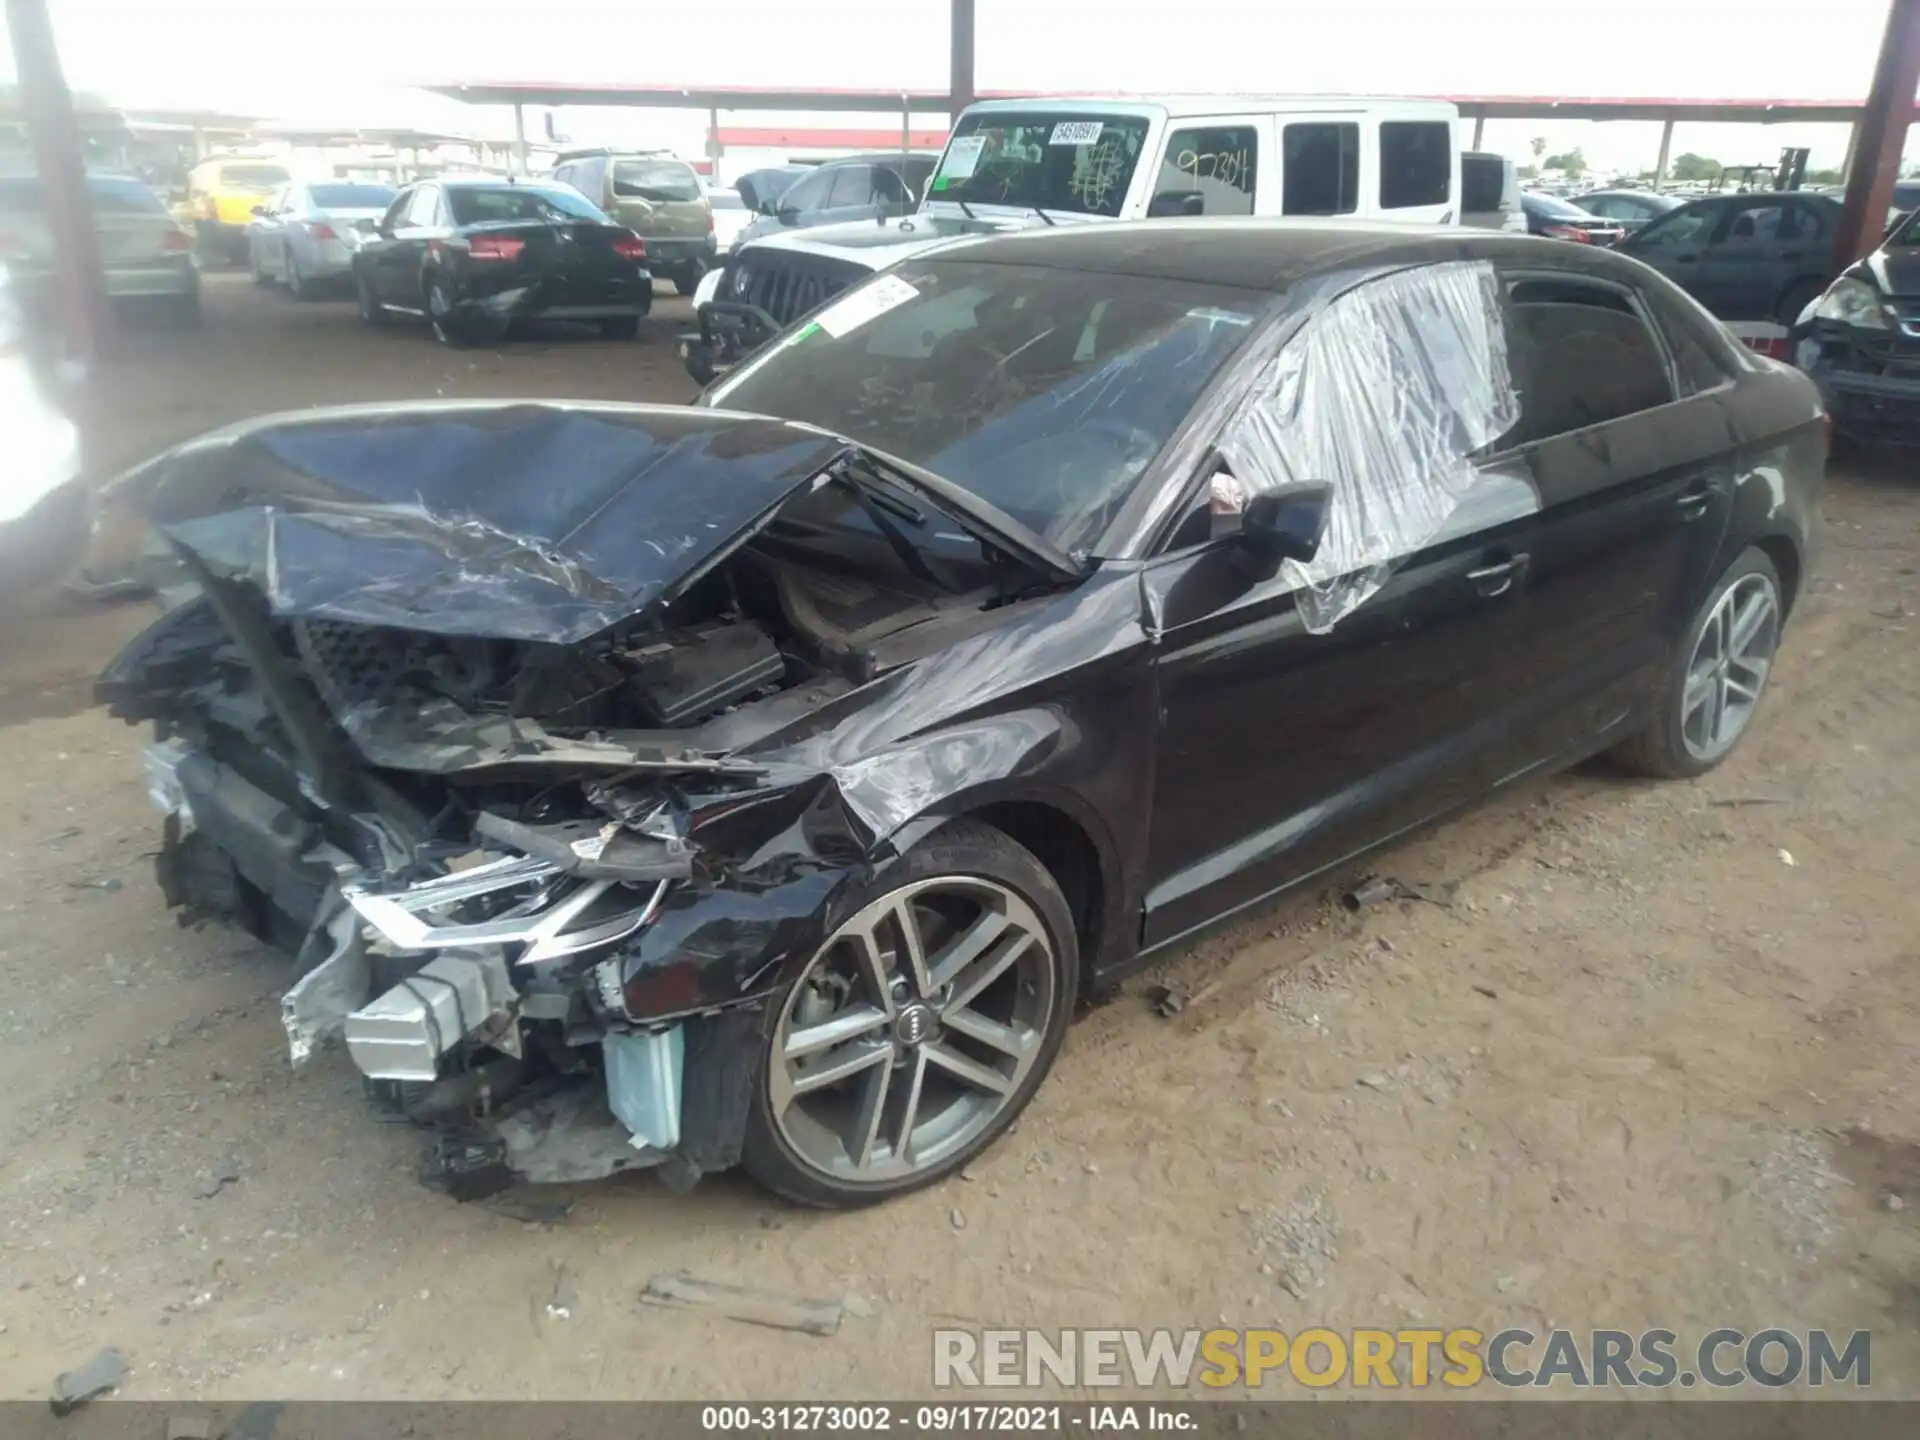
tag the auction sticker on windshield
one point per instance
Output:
(1077, 132)
(865, 304)
(963, 157)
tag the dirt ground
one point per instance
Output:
(1654, 1065)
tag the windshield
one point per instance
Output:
(351, 197)
(253, 177)
(1044, 392)
(473, 206)
(1907, 237)
(1080, 163)
(655, 180)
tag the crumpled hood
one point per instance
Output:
(1894, 269)
(516, 520)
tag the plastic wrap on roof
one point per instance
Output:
(1384, 392)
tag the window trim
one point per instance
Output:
(1642, 312)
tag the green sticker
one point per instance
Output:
(807, 331)
(941, 183)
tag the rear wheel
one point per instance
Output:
(448, 328)
(922, 1027)
(620, 327)
(687, 280)
(1712, 687)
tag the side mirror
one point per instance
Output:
(1176, 204)
(788, 214)
(1286, 524)
(768, 208)
(261, 212)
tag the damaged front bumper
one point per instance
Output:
(495, 1002)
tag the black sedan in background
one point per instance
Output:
(472, 256)
(1559, 219)
(761, 782)
(1861, 343)
(1761, 257)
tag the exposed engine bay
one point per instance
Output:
(485, 852)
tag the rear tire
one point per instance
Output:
(686, 281)
(790, 1146)
(620, 327)
(1705, 699)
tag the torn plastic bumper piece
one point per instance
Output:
(404, 1034)
(317, 1006)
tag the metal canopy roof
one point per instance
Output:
(755, 97)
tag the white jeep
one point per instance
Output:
(1013, 164)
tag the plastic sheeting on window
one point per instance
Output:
(1384, 393)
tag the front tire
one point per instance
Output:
(372, 312)
(920, 1030)
(1711, 689)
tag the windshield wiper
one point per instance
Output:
(981, 518)
(1043, 215)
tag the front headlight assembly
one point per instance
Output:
(1853, 302)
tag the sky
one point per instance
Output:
(341, 62)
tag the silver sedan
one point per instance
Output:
(306, 235)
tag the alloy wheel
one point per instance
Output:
(1729, 665)
(911, 1030)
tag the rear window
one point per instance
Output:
(254, 177)
(351, 197)
(655, 180)
(1554, 208)
(21, 195)
(1483, 183)
(473, 205)
(1416, 163)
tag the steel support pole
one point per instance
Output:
(1479, 129)
(1880, 137)
(1666, 155)
(519, 140)
(960, 86)
(80, 288)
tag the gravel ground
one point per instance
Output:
(1640, 1071)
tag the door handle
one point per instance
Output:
(1497, 576)
(1694, 502)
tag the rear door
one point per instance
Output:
(1419, 172)
(1213, 166)
(400, 260)
(1628, 447)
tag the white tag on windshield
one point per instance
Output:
(865, 304)
(963, 157)
(1077, 132)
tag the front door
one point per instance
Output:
(1676, 243)
(1747, 265)
(401, 260)
(1307, 716)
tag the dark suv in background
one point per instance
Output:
(860, 187)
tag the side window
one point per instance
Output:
(888, 188)
(1219, 163)
(590, 178)
(396, 215)
(1805, 222)
(1606, 208)
(1678, 229)
(1755, 224)
(852, 185)
(1581, 355)
(1699, 369)
(810, 194)
(1416, 163)
(421, 211)
(1320, 169)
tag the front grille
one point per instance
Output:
(787, 284)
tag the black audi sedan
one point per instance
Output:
(765, 782)
(472, 256)
(1860, 341)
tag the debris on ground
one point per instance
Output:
(1377, 888)
(214, 1181)
(1894, 1202)
(73, 1388)
(530, 1211)
(1786, 858)
(1486, 990)
(959, 1218)
(750, 1306)
(110, 884)
(1303, 1239)
(1166, 1000)
(561, 1300)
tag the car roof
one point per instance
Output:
(1179, 107)
(1261, 254)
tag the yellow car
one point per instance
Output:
(221, 195)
